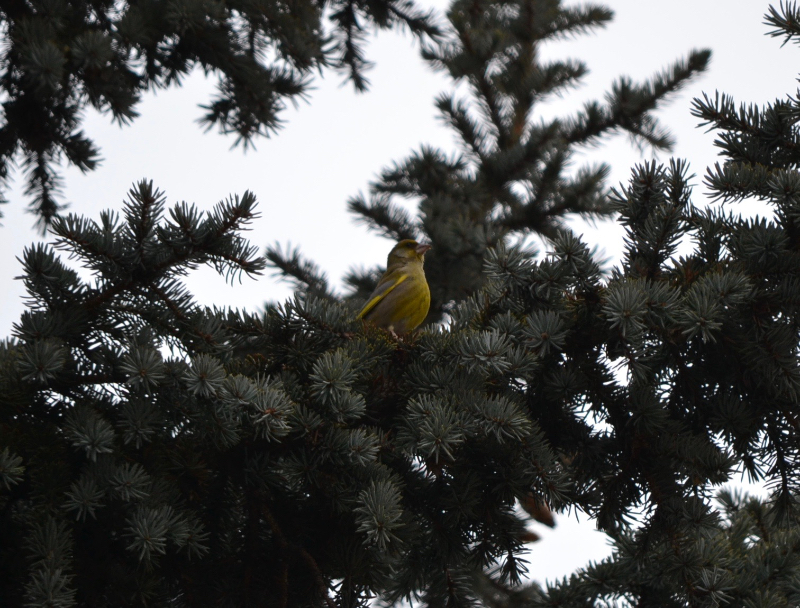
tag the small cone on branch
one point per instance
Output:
(537, 508)
(529, 537)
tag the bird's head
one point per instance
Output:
(406, 251)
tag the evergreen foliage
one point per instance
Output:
(155, 452)
(513, 176)
(62, 56)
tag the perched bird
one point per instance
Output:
(401, 300)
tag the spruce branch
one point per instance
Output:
(786, 21)
(305, 275)
(628, 104)
(380, 214)
(65, 57)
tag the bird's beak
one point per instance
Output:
(422, 248)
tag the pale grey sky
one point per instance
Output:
(333, 146)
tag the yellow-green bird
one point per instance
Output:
(401, 300)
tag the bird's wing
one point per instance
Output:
(379, 294)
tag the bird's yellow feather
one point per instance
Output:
(374, 301)
(402, 298)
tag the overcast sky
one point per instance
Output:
(333, 146)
